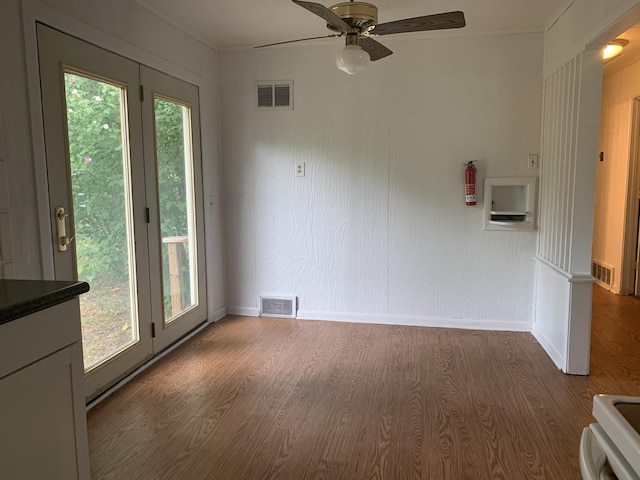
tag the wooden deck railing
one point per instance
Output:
(176, 279)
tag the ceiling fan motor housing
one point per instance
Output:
(359, 15)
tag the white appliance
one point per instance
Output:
(610, 449)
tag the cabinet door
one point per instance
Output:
(43, 427)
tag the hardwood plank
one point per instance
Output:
(257, 398)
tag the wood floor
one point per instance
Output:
(255, 398)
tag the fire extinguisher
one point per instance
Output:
(470, 183)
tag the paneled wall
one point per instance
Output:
(561, 101)
(377, 230)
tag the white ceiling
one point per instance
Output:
(225, 24)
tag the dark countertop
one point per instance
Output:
(22, 297)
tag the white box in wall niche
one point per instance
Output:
(509, 203)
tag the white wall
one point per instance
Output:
(378, 230)
(620, 87)
(128, 29)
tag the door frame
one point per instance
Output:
(47, 229)
(630, 233)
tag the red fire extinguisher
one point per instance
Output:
(470, 183)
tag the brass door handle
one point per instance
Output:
(61, 227)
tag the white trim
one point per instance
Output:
(34, 11)
(571, 277)
(243, 311)
(630, 227)
(556, 357)
(29, 16)
(616, 23)
(218, 315)
(167, 18)
(610, 26)
(558, 13)
(581, 278)
(415, 320)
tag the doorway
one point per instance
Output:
(124, 176)
(615, 233)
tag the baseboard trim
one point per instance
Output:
(388, 319)
(218, 314)
(243, 311)
(548, 347)
(416, 321)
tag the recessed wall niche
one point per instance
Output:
(509, 203)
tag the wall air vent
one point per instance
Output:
(274, 95)
(602, 273)
(277, 306)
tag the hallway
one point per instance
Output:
(615, 344)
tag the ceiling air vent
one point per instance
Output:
(602, 273)
(275, 95)
(277, 306)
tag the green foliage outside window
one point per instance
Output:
(98, 172)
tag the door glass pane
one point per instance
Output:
(103, 215)
(174, 157)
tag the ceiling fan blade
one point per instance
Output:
(323, 12)
(375, 50)
(299, 40)
(439, 21)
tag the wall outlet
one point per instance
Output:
(300, 169)
(533, 161)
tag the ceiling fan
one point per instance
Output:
(358, 22)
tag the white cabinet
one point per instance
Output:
(43, 430)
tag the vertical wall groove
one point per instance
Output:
(557, 177)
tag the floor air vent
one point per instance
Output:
(602, 273)
(277, 306)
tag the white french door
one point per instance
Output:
(171, 127)
(123, 162)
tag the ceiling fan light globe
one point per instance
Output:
(352, 59)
